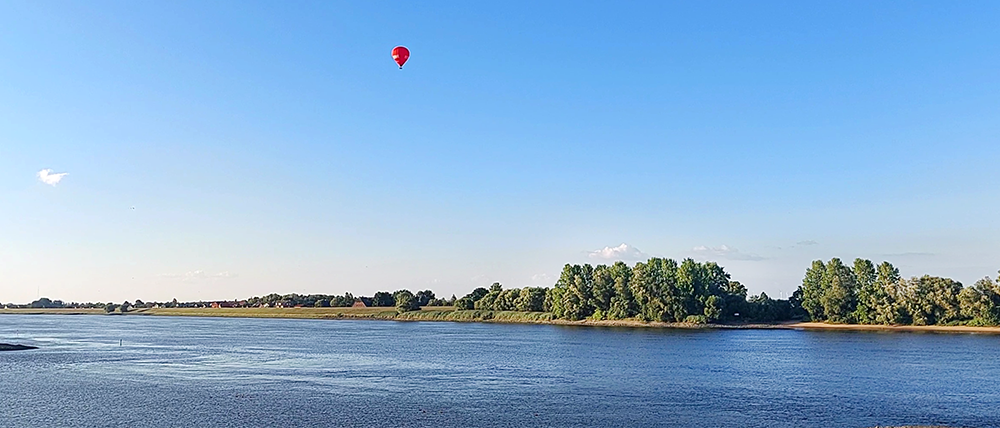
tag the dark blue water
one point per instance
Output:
(267, 372)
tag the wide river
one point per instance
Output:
(138, 371)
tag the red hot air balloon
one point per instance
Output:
(400, 54)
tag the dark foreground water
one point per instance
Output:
(268, 372)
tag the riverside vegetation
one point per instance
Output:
(657, 290)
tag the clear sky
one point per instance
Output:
(219, 150)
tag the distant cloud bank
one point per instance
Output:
(46, 176)
(909, 254)
(809, 242)
(623, 252)
(198, 275)
(726, 252)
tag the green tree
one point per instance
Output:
(554, 301)
(507, 300)
(889, 291)
(406, 301)
(383, 298)
(579, 292)
(478, 293)
(796, 311)
(981, 302)
(574, 287)
(839, 284)
(681, 296)
(932, 300)
(465, 303)
(734, 301)
(424, 297)
(531, 299)
(623, 303)
(813, 291)
(868, 291)
(602, 290)
(713, 308)
(489, 301)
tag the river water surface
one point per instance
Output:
(224, 372)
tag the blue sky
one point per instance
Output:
(275, 147)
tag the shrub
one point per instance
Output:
(696, 319)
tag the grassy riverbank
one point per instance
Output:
(448, 313)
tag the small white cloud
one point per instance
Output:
(46, 176)
(808, 242)
(726, 252)
(542, 279)
(623, 252)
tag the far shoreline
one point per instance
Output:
(449, 314)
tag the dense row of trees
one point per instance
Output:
(309, 300)
(665, 290)
(868, 294)
(655, 290)
(404, 300)
(46, 303)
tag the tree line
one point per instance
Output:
(664, 290)
(864, 293)
(656, 290)
(403, 299)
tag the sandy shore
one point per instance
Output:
(905, 328)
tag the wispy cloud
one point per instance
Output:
(623, 252)
(808, 242)
(726, 252)
(46, 176)
(196, 275)
(542, 279)
(909, 254)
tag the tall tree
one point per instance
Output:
(868, 292)
(690, 285)
(623, 303)
(981, 302)
(531, 299)
(839, 285)
(932, 300)
(886, 306)
(734, 301)
(602, 291)
(424, 297)
(383, 298)
(405, 301)
(813, 291)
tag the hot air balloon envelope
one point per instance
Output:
(400, 54)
